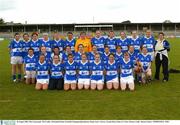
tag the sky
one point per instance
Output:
(89, 11)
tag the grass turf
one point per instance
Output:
(156, 101)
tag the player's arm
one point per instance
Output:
(76, 45)
(89, 46)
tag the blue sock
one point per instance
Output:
(13, 77)
(19, 76)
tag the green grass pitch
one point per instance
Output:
(156, 101)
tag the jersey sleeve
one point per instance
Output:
(76, 45)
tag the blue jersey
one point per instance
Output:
(70, 43)
(36, 46)
(58, 43)
(97, 71)
(70, 70)
(47, 57)
(111, 43)
(48, 45)
(42, 70)
(56, 70)
(118, 57)
(77, 57)
(91, 56)
(149, 43)
(105, 57)
(133, 56)
(124, 43)
(145, 61)
(16, 48)
(84, 70)
(136, 43)
(99, 43)
(30, 63)
(126, 68)
(26, 46)
(65, 57)
(111, 70)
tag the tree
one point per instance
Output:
(2, 21)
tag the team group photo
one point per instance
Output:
(89, 62)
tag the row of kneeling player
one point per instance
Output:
(72, 75)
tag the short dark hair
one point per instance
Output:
(81, 45)
(68, 46)
(56, 47)
(161, 33)
(69, 33)
(83, 33)
(126, 53)
(111, 31)
(106, 46)
(30, 49)
(42, 55)
(118, 47)
(111, 54)
(70, 55)
(16, 34)
(25, 34)
(34, 33)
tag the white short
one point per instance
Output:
(148, 71)
(16, 60)
(70, 81)
(84, 81)
(43, 81)
(152, 55)
(127, 80)
(97, 81)
(115, 80)
(30, 74)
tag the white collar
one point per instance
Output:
(98, 38)
(84, 62)
(42, 63)
(45, 40)
(26, 41)
(147, 38)
(30, 56)
(111, 63)
(69, 40)
(106, 54)
(70, 63)
(125, 61)
(144, 55)
(97, 63)
(17, 41)
(57, 40)
(122, 39)
(130, 53)
(55, 63)
(119, 54)
(135, 38)
(111, 38)
(34, 41)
